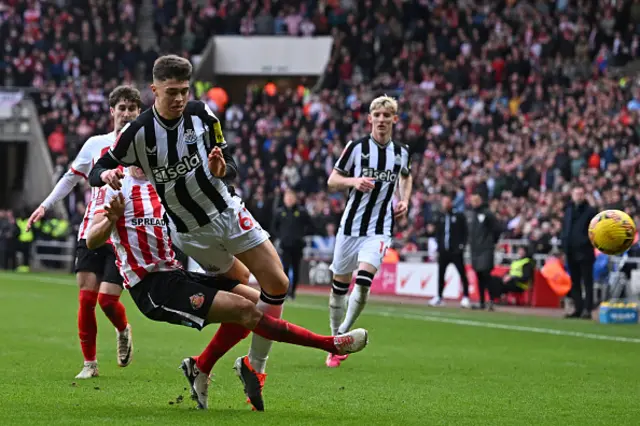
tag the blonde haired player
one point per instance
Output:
(372, 169)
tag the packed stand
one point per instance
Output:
(69, 54)
(517, 101)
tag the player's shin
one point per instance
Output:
(357, 300)
(227, 336)
(114, 310)
(87, 324)
(284, 331)
(271, 305)
(337, 304)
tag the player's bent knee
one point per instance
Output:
(247, 292)
(264, 263)
(342, 278)
(87, 281)
(229, 307)
(249, 315)
(238, 272)
(110, 288)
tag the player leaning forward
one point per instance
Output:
(163, 291)
(96, 272)
(173, 142)
(372, 169)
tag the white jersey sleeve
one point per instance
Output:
(79, 169)
(83, 162)
(63, 188)
(345, 163)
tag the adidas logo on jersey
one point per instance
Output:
(147, 221)
(380, 175)
(180, 169)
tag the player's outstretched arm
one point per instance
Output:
(63, 188)
(104, 221)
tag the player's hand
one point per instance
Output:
(364, 184)
(35, 217)
(217, 165)
(400, 210)
(115, 209)
(112, 178)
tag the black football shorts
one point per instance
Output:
(179, 297)
(101, 262)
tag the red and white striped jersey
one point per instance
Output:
(140, 237)
(94, 148)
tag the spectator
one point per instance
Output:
(579, 252)
(484, 231)
(451, 232)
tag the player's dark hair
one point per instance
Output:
(170, 67)
(125, 93)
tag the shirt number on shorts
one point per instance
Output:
(245, 221)
(383, 249)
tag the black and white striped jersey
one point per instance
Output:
(175, 159)
(371, 213)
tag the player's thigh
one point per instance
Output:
(112, 282)
(372, 253)
(238, 271)
(230, 307)
(87, 281)
(265, 265)
(247, 292)
(205, 246)
(89, 267)
(345, 257)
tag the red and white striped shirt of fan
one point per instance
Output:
(140, 238)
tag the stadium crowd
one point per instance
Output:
(515, 99)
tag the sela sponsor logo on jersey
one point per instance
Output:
(148, 221)
(180, 169)
(381, 175)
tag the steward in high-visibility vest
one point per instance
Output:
(60, 228)
(25, 238)
(519, 278)
(521, 272)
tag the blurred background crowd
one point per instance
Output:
(516, 100)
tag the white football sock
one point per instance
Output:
(337, 307)
(260, 347)
(357, 301)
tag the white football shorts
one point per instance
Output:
(351, 251)
(214, 245)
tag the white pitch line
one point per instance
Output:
(472, 323)
(395, 314)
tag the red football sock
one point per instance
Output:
(114, 310)
(227, 336)
(87, 325)
(283, 331)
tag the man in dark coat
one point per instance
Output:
(579, 251)
(484, 231)
(451, 232)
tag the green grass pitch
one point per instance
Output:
(422, 367)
